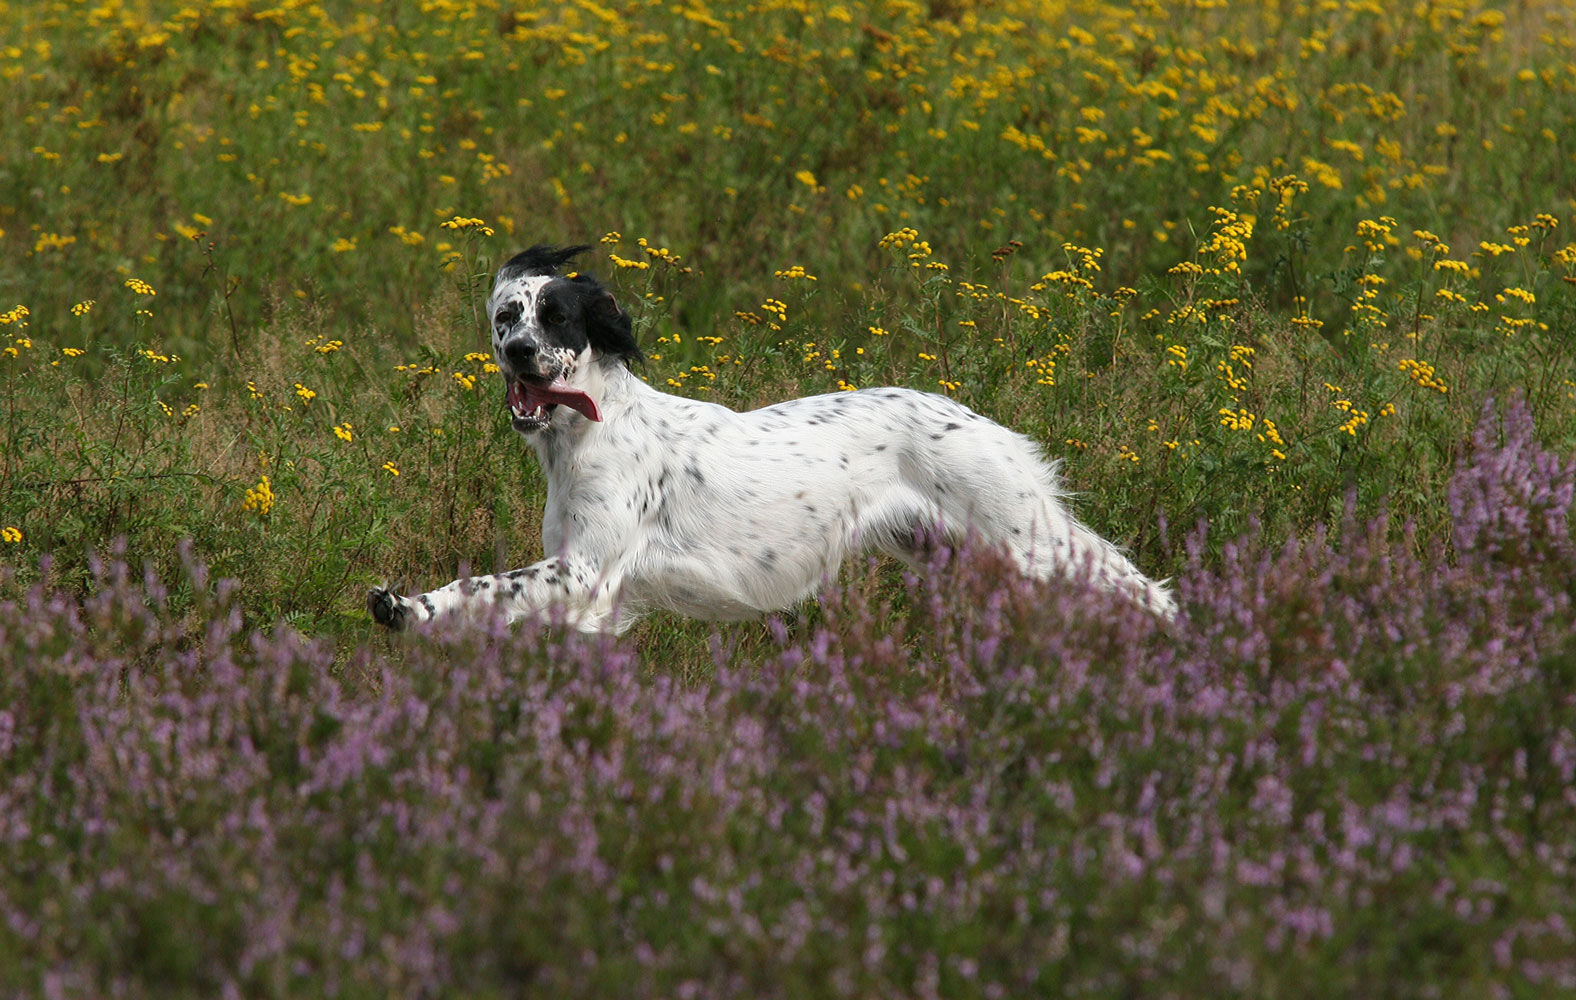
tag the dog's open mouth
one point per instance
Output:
(531, 404)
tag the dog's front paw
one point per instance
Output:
(388, 608)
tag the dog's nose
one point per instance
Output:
(519, 352)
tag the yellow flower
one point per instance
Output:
(1422, 373)
(259, 498)
(900, 239)
(11, 535)
(140, 287)
(343, 245)
(82, 308)
(806, 178)
(307, 395)
(462, 223)
(52, 241)
(1237, 420)
(390, 468)
(342, 431)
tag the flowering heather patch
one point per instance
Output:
(1351, 770)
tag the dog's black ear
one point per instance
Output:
(609, 328)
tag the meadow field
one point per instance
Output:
(1289, 285)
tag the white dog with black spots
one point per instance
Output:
(655, 501)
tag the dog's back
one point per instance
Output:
(752, 511)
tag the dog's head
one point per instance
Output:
(550, 332)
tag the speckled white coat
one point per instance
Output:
(685, 505)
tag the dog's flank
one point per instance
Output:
(657, 501)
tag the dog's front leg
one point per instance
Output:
(572, 587)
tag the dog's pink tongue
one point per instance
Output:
(563, 393)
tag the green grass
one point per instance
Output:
(1179, 248)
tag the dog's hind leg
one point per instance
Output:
(572, 588)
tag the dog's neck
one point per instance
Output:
(614, 389)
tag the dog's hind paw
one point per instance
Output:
(388, 608)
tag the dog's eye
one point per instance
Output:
(508, 315)
(553, 317)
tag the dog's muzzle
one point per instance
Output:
(532, 394)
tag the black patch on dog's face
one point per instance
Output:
(507, 315)
(567, 314)
(560, 316)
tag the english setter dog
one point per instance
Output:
(656, 501)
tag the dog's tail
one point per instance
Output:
(1081, 552)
